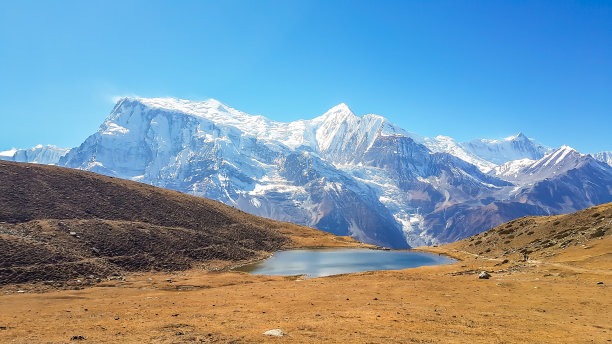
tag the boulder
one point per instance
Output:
(484, 275)
(277, 332)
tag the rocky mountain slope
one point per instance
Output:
(57, 224)
(345, 174)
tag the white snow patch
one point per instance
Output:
(115, 129)
(255, 202)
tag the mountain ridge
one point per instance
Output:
(351, 175)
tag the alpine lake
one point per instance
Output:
(325, 261)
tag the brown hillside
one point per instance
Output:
(543, 237)
(58, 224)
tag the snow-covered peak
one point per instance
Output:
(177, 104)
(338, 112)
(335, 130)
(605, 157)
(519, 136)
(213, 112)
(566, 148)
(342, 135)
(511, 148)
(559, 156)
(211, 109)
(553, 164)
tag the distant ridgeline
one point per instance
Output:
(348, 175)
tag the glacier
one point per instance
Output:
(47, 154)
(361, 176)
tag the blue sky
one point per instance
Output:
(465, 69)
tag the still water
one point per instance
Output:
(325, 262)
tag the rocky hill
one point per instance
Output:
(59, 224)
(576, 238)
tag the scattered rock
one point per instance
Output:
(73, 234)
(179, 333)
(600, 282)
(78, 338)
(277, 332)
(484, 275)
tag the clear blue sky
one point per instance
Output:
(465, 69)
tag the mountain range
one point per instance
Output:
(361, 176)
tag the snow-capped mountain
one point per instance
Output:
(560, 182)
(605, 156)
(264, 167)
(564, 180)
(511, 148)
(350, 175)
(47, 155)
(445, 144)
(551, 165)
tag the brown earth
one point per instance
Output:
(550, 279)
